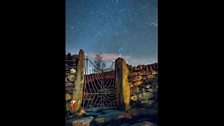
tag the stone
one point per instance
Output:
(147, 95)
(145, 123)
(72, 71)
(150, 76)
(132, 74)
(68, 97)
(149, 90)
(71, 77)
(79, 81)
(134, 98)
(135, 78)
(137, 83)
(139, 96)
(75, 58)
(122, 83)
(155, 90)
(81, 112)
(135, 68)
(101, 119)
(135, 90)
(148, 86)
(146, 68)
(139, 67)
(154, 72)
(82, 121)
(112, 116)
(146, 72)
(68, 84)
(143, 90)
(68, 106)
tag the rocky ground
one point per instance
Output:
(135, 117)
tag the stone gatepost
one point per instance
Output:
(122, 84)
(79, 82)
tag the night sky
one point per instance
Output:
(126, 28)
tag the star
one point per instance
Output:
(154, 24)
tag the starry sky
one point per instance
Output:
(125, 28)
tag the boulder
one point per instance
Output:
(82, 121)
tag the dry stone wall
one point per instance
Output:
(74, 79)
(143, 85)
(71, 63)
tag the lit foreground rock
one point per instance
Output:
(135, 117)
(83, 121)
(145, 123)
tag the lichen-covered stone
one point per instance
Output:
(79, 81)
(72, 71)
(122, 83)
(134, 98)
(147, 95)
(71, 77)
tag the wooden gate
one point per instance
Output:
(100, 89)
